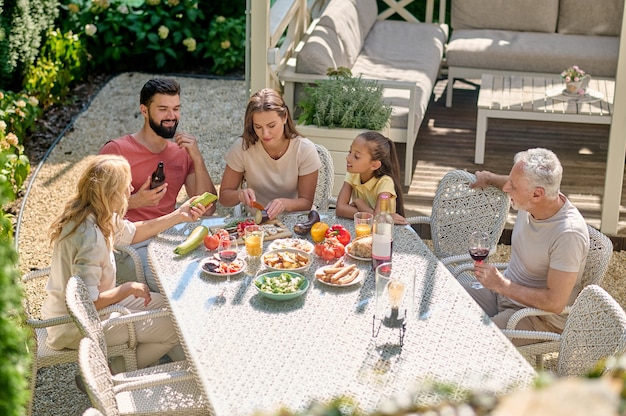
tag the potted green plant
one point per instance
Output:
(334, 111)
(344, 101)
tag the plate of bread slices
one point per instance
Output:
(360, 248)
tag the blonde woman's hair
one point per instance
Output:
(101, 192)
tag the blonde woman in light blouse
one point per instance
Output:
(83, 238)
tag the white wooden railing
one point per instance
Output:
(274, 34)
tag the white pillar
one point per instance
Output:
(614, 178)
(259, 44)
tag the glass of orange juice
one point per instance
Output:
(363, 223)
(254, 240)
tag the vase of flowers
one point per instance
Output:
(576, 80)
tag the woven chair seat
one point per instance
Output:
(172, 393)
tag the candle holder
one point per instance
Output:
(394, 300)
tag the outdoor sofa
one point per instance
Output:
(541, 37)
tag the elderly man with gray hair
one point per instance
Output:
(549, 246)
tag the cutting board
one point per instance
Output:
(274, 229)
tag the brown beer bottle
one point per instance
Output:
(158, 176)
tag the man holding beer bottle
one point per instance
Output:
(183, 164)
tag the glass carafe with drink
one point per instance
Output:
(158, 176)
(382, 234)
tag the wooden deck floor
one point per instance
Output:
(446, 141)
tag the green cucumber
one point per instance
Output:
(193, 241)
(205, 199)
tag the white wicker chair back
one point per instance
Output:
(98, 381)
(325, 179)
(458, 211)
(595, 329)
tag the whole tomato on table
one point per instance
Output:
(330, 249)
(339, 232)
(211, 241)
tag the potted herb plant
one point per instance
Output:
(344, 101)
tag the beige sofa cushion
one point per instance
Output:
(597, 17)
(522, 15)
(384, 58)
(338, 37)
(532, 52)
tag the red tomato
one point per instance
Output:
(319, 248)
(211, 241)
(339, 250)
(328, 253)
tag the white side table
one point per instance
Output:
(540, 99)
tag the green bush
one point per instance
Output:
(344, 101)
(165, 35)
(60, 64)
(22, 23)
(19, 112)
(226, 44)
(15, 363)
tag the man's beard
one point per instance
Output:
(162, 131)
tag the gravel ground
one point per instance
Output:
(213, 111)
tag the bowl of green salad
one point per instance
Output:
(281, 285)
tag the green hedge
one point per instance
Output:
(15, 362)
(22, 24)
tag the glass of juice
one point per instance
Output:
(363, 223)
(254, 240)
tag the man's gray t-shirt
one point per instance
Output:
(560, 242)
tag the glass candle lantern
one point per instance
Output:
(394, 299)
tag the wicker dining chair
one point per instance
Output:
(164, 393)
(85, 315)
(598, 259)
(595, 329)
(458, 211)
(35, 281)
(325, 179)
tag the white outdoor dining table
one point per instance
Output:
(250, 353)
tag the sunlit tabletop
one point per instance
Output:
(251, 353)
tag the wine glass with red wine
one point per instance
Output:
(478, 250)
(227, 250)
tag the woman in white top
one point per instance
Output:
(83, 237)
(277, 165)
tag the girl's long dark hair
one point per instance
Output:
(383, 148)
